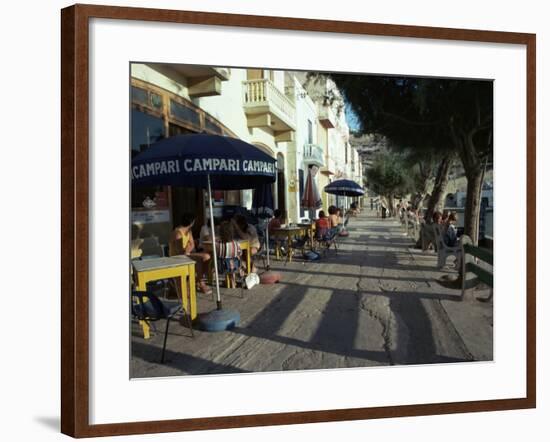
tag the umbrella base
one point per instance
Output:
(270, 277)
(218, 320)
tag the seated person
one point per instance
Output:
(353, 210)
(451, 235)
(246, 231)
(333, 217)
(276, 221)
(182, 243)
(228, 251)
(437, 217)
(322, 226)
(340, 214)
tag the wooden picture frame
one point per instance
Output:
(75, 219)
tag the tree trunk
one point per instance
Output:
(473, 203)
(474, 169)
(391, 203)
(437, 197)
(422, 190)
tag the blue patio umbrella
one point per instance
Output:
(194, 160)
(207, 162)
(344, 187)
(262, 201)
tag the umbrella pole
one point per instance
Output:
(267, 242)
(214, 252)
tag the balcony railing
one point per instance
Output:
(263, 97)
(313, 154)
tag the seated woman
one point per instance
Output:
(437, 217)
(335, 221)
(276, 221)
(246, 231)
(322, 226)
(182, 243)
(228, 251)
(451, 235)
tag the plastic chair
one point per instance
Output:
(147, 307)
(327, 237)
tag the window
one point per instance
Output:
(146, 130)
(174, 129)
(139, 96)
(210, 126)
(150, 198)
(146, 98)
(185, 113)
(309, 132)
(156, 101)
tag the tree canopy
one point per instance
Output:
(429, 115)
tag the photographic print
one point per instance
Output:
(293, 220)
(246, 223)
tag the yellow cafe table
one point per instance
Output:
(180, 267)
(289, 232)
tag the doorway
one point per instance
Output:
(281, 185)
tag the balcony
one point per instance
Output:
(266, 106)
(326, 116)
(313, 154)
(329, 168)
(202, 81)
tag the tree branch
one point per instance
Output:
(410, 122)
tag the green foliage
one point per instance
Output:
(421, 113)
(389, 175)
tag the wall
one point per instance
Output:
(30, 369)
(305, 110)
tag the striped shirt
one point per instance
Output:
(230, 249)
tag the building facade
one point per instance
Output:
(273, 110)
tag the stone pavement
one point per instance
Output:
(376, 302)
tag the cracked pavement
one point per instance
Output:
(377, 302)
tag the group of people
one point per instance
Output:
(228, 250)
(228, 234)
(448, 220)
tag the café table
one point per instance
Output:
(180, 267)
(289, 231)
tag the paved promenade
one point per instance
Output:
(377, 302)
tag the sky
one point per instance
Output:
(352, 118)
